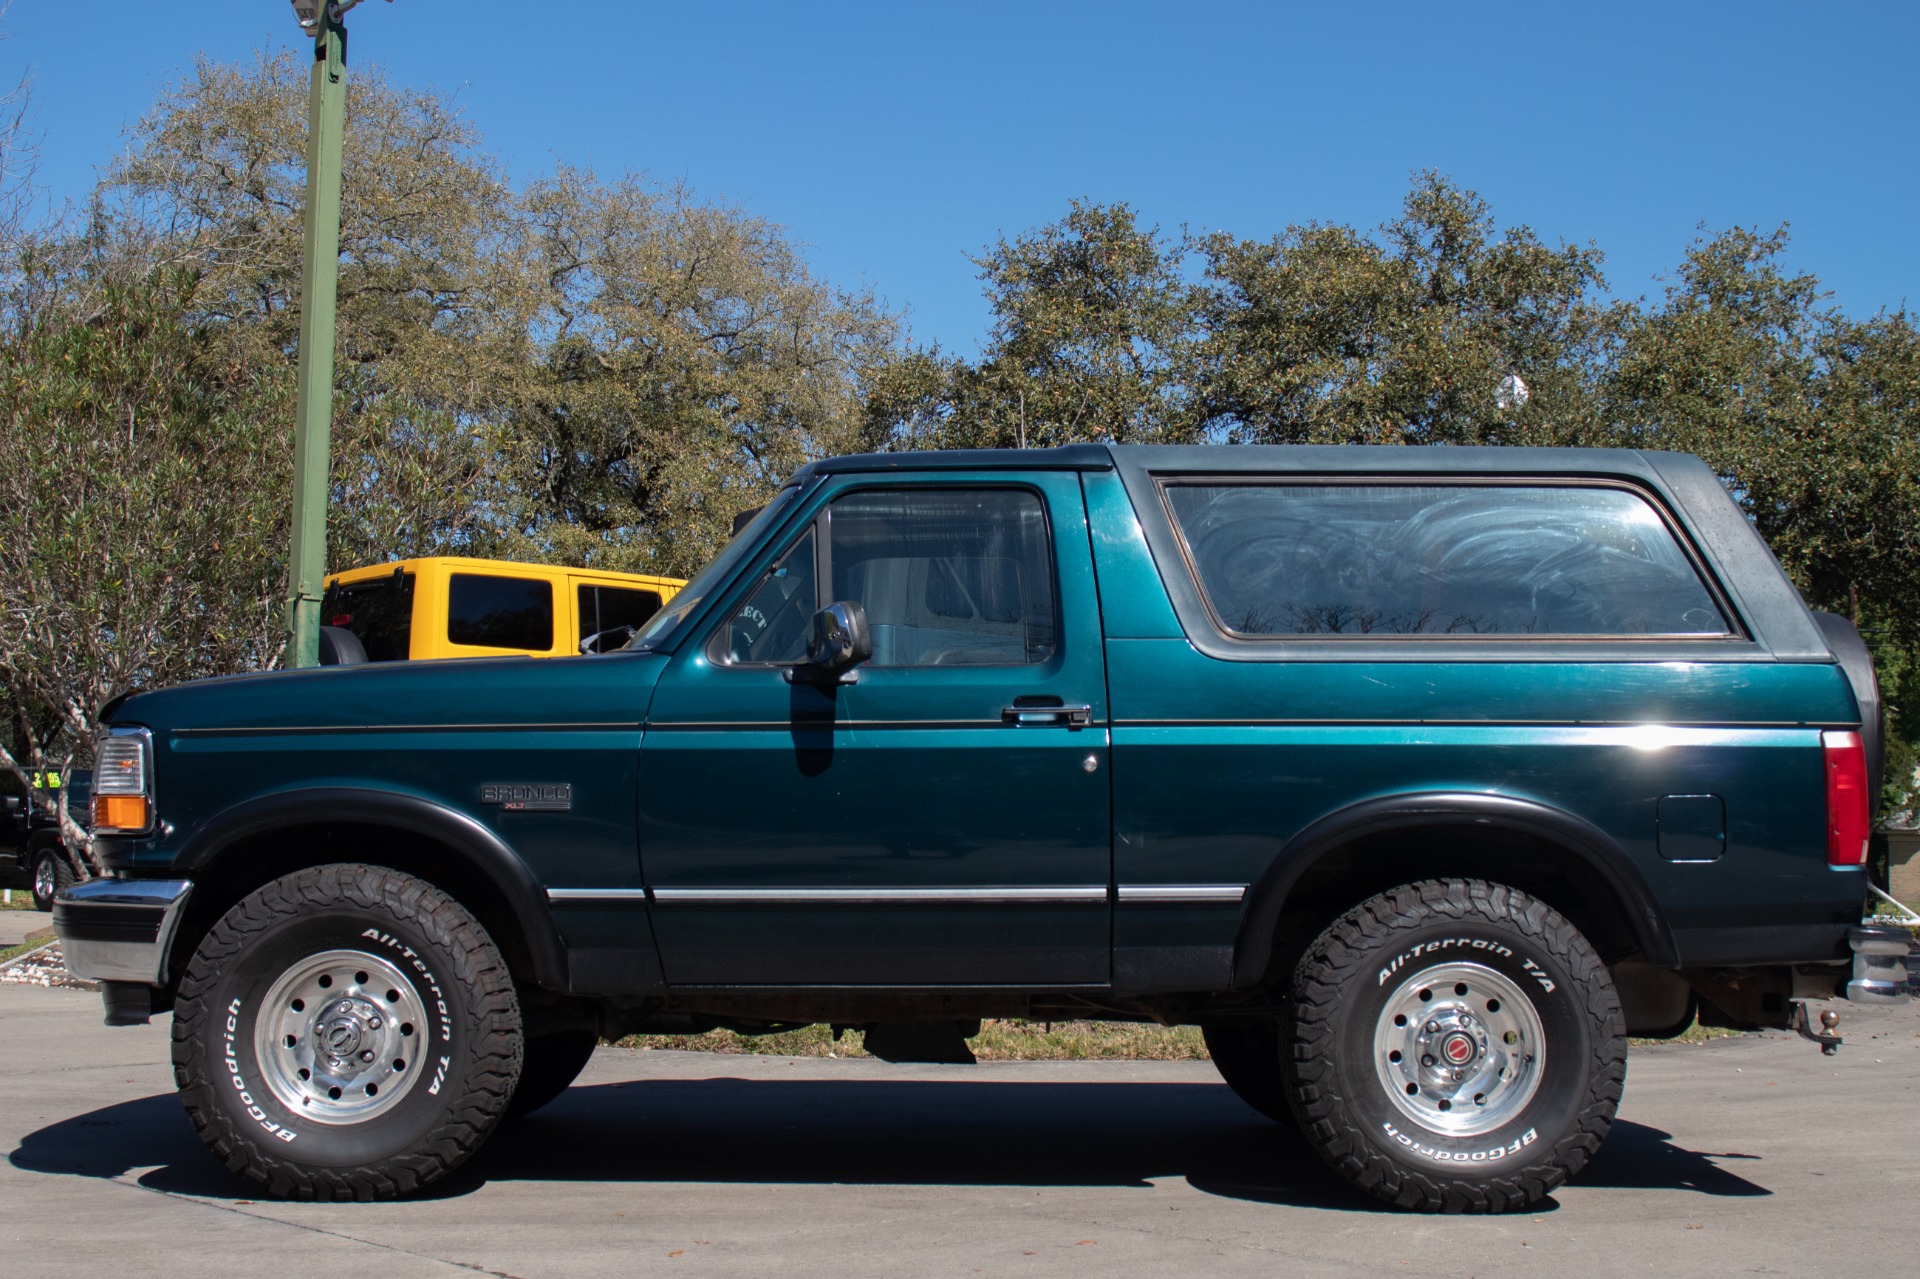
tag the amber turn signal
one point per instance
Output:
(119, 812)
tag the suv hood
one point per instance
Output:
(600, 690)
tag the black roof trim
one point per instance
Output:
(1072, 457)
(1387, 459)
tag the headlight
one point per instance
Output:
(123, 782)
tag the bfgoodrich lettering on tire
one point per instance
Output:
(346, 1032)
(1457, 1047)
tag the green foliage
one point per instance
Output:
(684, 363)
(116, 421)
(1091, 324)
(1325, 335)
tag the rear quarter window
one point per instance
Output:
(1278, 559)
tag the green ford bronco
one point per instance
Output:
(1418, 779)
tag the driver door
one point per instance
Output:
(944, 818)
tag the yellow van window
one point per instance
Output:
(500, 612)
(379, 612)
(602, 608)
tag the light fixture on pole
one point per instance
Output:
(307, 14)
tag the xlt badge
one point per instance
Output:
(529, 797)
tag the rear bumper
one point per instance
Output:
(120, 929)
(1886, 965)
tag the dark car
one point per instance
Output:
(1417, 778)
(31, 853)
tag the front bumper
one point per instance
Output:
(120, 930)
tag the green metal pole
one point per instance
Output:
(313, 415)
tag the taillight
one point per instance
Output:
(1849, 807)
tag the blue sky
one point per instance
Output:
(895, 139)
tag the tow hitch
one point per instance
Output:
(1829, 1022)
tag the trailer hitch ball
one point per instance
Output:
(1827, 1036)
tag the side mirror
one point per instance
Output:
(838, 642)
(606, 641)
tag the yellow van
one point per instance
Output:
(449, 606)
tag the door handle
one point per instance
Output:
(1022, 715)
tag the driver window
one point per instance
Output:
(771, 626)
(948, 577)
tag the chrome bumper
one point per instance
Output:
(119, 929)
(1886, 965)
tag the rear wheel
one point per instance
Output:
(1458, 1047)
(346, 1032)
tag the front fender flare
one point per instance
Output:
(466, 836)
(1579, 838)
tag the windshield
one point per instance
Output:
(663, 624)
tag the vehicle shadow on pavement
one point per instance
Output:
(865, 1132)
(1636, 1157)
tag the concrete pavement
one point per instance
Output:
(16, 925)
(1743, 1155)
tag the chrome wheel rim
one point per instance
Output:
(1459, 1049)
(341, 1037)
(43, 878)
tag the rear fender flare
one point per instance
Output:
(1578, 838)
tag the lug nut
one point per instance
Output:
(1426, 1059)
(367, 1055)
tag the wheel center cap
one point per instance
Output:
(341, 1037)
(344, 1030)
(1457, 1048)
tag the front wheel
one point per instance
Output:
(1458, 1047)
(346, 1032)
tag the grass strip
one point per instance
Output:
(1018, 1040)
(1011, 1040)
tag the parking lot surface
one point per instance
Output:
(17, 925)
(1752, 1155)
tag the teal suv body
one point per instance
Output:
(1417, 778)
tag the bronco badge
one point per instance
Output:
(529, 797)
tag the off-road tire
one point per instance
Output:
(550, 1065)
(460, 1063)
(1249, 1057)
(51, 872)
(1344, 993)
